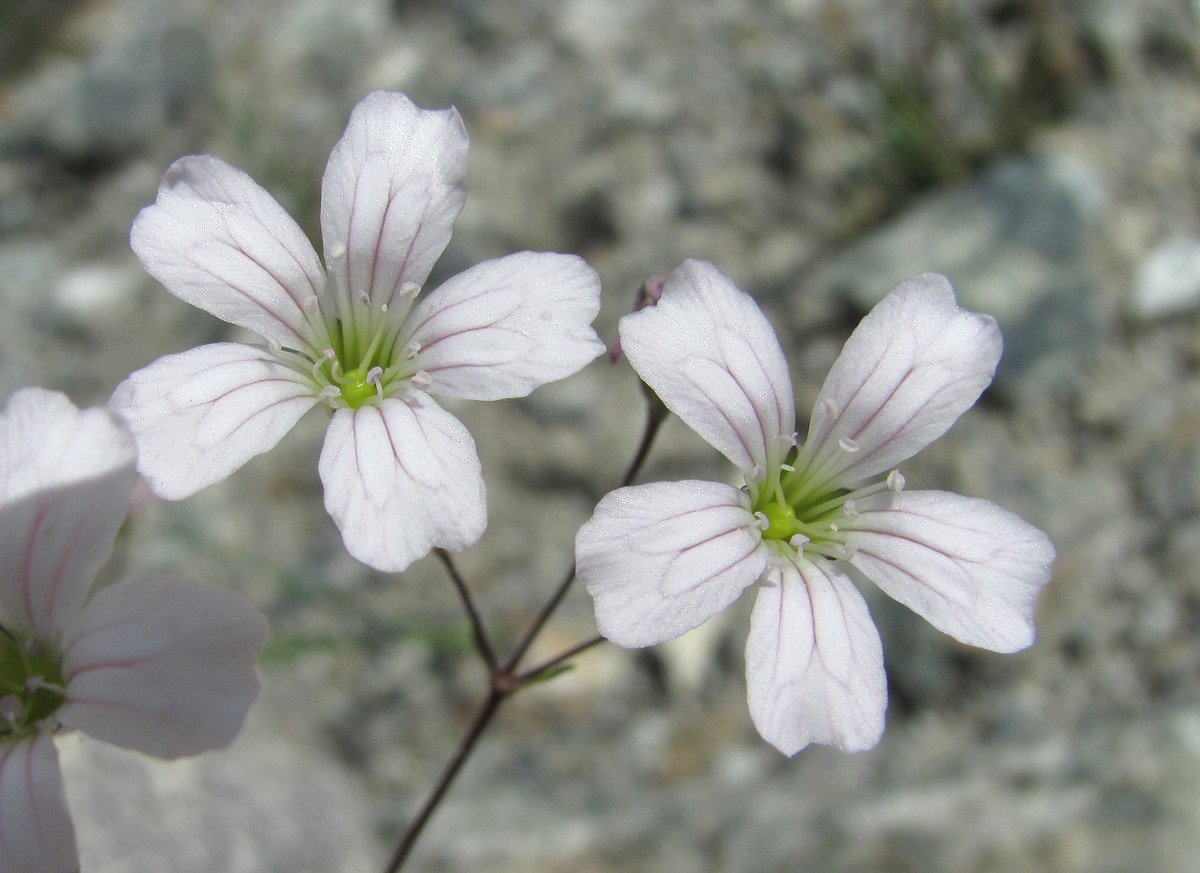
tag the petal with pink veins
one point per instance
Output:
(970, 568)
(394, 184)
(814, 662)
(506, 326)
(201, 414)
(220, 242)
(401, 478)
(65, 480)
(36, 834)
(710, 354)
(910, 369)
(661, 559)
(162, 666)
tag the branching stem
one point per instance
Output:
(505, 679)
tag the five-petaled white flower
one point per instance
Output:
(158, 665)
(401, 474)
(661, 559)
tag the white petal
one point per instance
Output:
(910, 369)
(162, 666)
(506, 326)
(36, 834)
(972, 569)
(199, 415)
(394, 184)
(401, 478)
(711, 356)
(663, 558)
(814, 663)
(217, 240)
(65, 481)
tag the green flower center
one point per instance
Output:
(31, 685)
(801, 511)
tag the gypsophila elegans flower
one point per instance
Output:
(401, 475)
(661, 559)
(155, 664)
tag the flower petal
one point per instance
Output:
(220, 242)
(199, 415)
(910, 369)
(711, 356)
(162, 666)
(814, 663)
(394, 184)
(65, 481)
(506, 326)
(36, 834)
(970, 568)
(663, 558)
(401, 478)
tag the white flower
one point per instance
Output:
(158, 665)
(663, 558)
(401, 475)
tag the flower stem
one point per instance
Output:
(482, 643)
(504, 678)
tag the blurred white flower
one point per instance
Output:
(401, 475)
(157, 665)
(661, 559)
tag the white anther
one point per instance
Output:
(848, 445)
(756, 474)
(409, 289)
(337, 250)
(787, 468)
(761, 518)
(364, 298)
(274, 346)
(833, 527)
(410, 350)
(849, 550)
(10, 708)
(311, 305)
(421, 379)
(373, 375)
(895, 481)
(331, 392)
(850, 509)
(828, 407)
(798, 540)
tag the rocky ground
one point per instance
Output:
(1044, 153)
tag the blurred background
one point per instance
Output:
(1046, 155)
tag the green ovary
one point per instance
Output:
(356, 390)
(31, 685)
(782, 523)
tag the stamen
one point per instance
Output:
(421, 379)
(409, 289)
(848, 445)
(787, 468)
(895, 481)
(312, 305)
(849, 550)
(828, 407)
(274, 346)
(337, 250)
(10, 708)
(799, 540)
(331, 392)
(756, 474)
(373, 378)
(410, 350)
(326, 356)
(850, 509)
(364, 298)
(763, 523)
